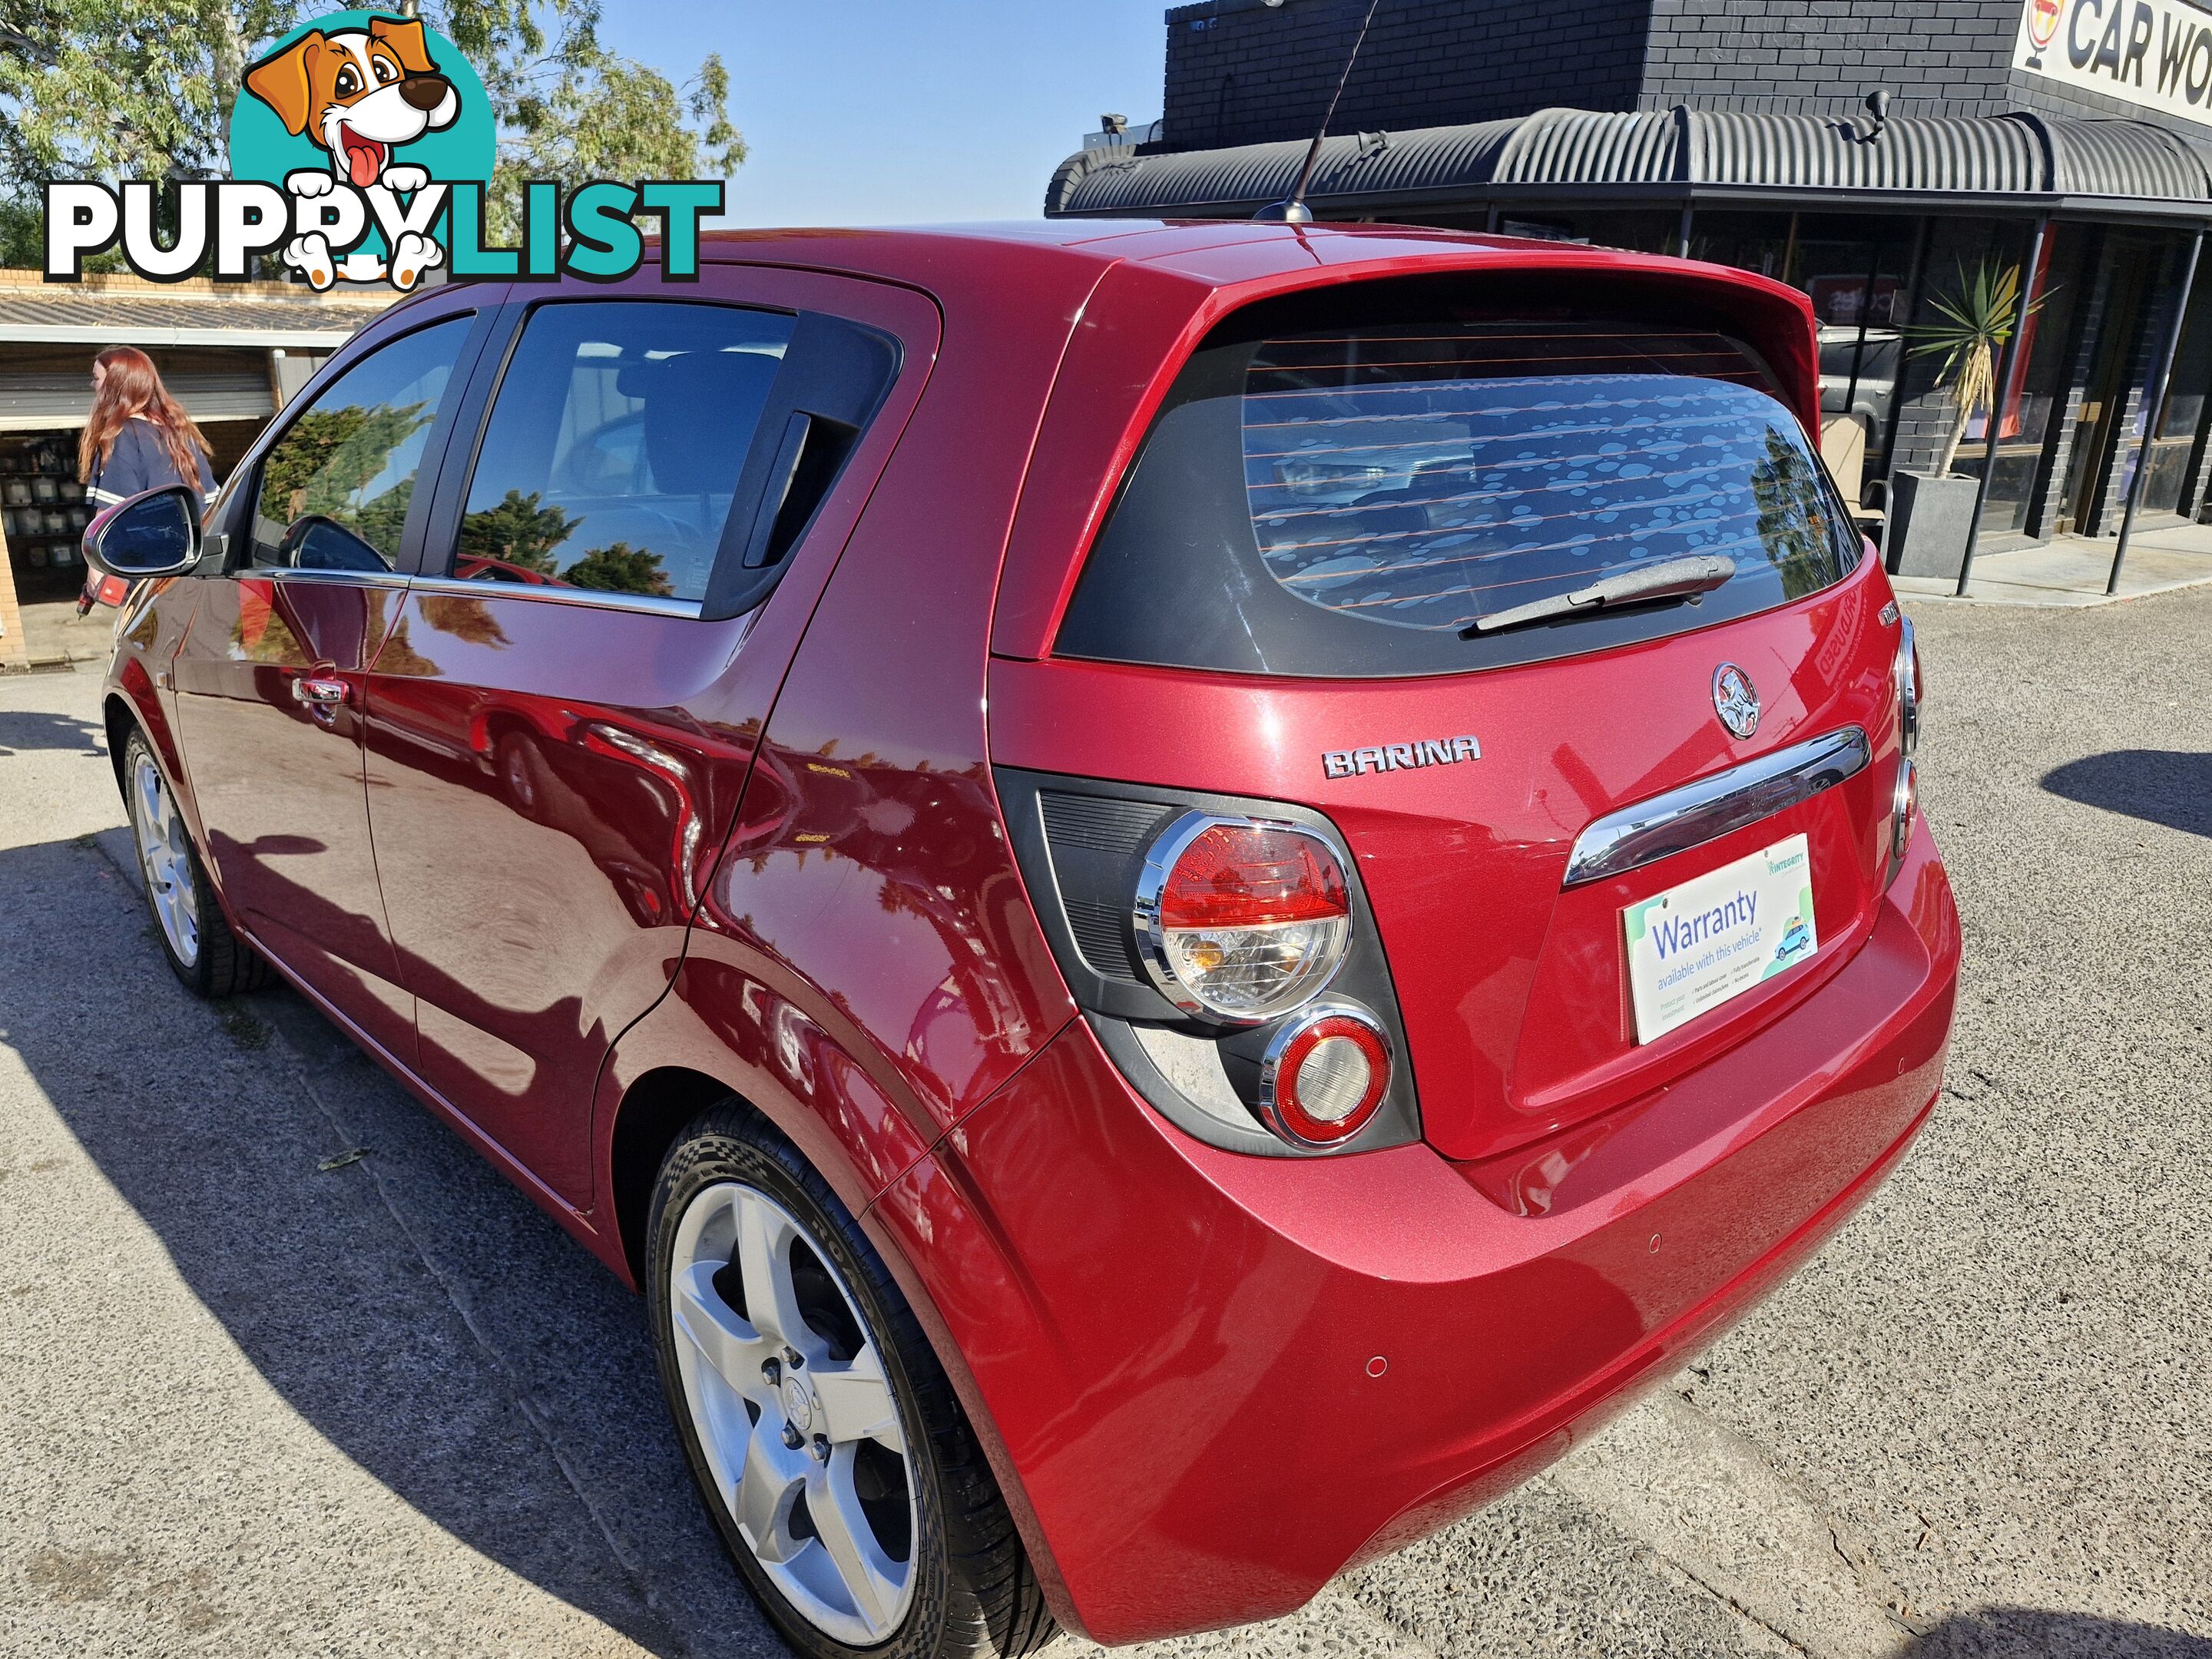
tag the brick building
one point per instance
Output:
(1743, 131)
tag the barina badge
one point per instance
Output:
(1399, 757)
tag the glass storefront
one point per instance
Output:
(2070, 415)
(1858, 270)
(2037, 381)
(2177, 449)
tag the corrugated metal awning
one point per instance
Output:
(57, 316)
(50, 387)
(36, 401)
(1681, 152)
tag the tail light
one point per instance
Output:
(1901, 806)
(1224, 955)
(1325, 1075)
(1242, 920)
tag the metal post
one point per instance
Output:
(1858, 346)
(2154, 409)
(1912, 285)
(1682, 236)
(1997, 398)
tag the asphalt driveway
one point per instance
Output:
(285, 1369)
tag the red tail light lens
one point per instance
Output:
(1242, 920)
(1325, 1076)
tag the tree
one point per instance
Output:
(328, 460)
(517, 531)
(144, 89)
(1794, 518)
(620, 568)
(1975, 320)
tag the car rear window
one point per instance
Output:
(1352, 500)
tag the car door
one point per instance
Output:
(269, 677)
(644, 497)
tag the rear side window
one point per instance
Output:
(615, 446)
(1354, 501)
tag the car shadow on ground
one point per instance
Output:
(421, 1316)
(2159, 786)
(408, 1304)
(31, 728)
(2031, 1633)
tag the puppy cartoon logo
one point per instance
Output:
(368, 97)
(362, 147)
(360, 93)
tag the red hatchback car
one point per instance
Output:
(1180, 893)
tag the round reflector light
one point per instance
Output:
(1242, 920)
(1324, 1076)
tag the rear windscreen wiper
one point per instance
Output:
(1670, 579)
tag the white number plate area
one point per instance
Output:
(1694, 946)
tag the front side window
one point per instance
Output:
(1360, 501)
(615, 446)
(335, 489)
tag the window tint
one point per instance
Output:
(1348, 500)
(1391, 479)
(335, 488)
(615, 444)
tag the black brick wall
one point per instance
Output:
(1240, 72)
(1823, 57)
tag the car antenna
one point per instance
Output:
(1293, 209)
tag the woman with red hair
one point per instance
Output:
(136, 438)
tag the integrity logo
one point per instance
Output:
(361, 146)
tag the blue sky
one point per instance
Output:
(867, 112)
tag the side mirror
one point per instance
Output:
(317, 543)
(154, 534)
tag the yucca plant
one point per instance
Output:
(1976, 319)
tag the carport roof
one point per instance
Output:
(2019, 160)
(130, 311)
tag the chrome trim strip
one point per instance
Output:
(1908, 689)
(285, 573)
(1712, 806)
(551, 595)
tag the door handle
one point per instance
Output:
(318, 693)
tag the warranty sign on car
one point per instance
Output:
(1698, 945)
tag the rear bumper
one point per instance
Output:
(1217, 1381)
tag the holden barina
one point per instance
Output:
(1181, 894)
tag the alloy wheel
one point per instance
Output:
(165, 858)
(792, 1404)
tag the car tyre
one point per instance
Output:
(741, 1224)
(208, 960)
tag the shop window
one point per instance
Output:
(44, 513)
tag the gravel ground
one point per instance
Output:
(259, 1396)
